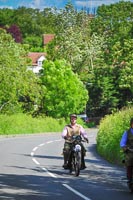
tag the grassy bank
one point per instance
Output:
(26, 124)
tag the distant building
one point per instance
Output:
(47, 38)
(37, 61)
(37, 58)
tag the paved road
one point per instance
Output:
(31, 168)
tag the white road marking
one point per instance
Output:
(53, 175)
(35, 149)
(49, 142)
(40, 145)
(76, 192)
(32, 154)
(58, 140)
(35, 161)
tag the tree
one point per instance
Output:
(6, 16)
(64, 93)
(15, 32)
(16, 82)
(115, 23)
(103, 92)
(34, 43)
(74, 42)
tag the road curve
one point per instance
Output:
(31, 168)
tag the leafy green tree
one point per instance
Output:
(115, 23)
(114, 78)
(16, 82)
(6, 17)
(34, 42)
(64, 93)
(102, 92)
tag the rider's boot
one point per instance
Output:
(82, 163)
(66, 156)
(129, 174)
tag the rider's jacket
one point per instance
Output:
(129, 139)
(72, 131)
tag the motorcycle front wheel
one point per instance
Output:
(77, 163)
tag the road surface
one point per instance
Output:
(31, 169)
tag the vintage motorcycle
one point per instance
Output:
(76, 154)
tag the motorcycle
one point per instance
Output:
(76, 154)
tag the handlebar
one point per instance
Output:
(78, 137)
(128, 149)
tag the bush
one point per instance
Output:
(110, 132)
(26, 124)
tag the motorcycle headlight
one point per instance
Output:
(77, 147)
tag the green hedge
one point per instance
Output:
(26, 124)
(110, 132)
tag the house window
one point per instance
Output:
(39, 63)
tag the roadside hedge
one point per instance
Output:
(109, 135)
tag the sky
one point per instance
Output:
(41, 4)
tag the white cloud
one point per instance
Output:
(37, 3)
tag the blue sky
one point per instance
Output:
(41, 4)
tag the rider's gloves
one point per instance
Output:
(125, 149)
(65, 137)
(86, 140)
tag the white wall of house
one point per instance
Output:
(36, 68)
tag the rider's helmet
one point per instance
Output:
(73, 115)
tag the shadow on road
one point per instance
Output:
(30, 187)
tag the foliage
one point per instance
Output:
(34, 43)
(6, 17)
(110, 132)
(15, 32)
(26, 124)
(74, 42)
(32, 22)
(112, 77)
(103, 91)
(115, 23)
(64, 93)
(99, 49)
(16, 82)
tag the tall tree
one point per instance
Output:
(15, 32)
(64, 93)
(115, 23)
(74, 42)
(16, 82)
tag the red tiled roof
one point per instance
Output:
(48, 38)
(35, 56)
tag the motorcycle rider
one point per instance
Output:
(69, 130)
(125, 143)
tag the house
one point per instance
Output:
(37, 61)
(37, 58)
(47, 38)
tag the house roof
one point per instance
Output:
(47, 38)
(35, 56)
